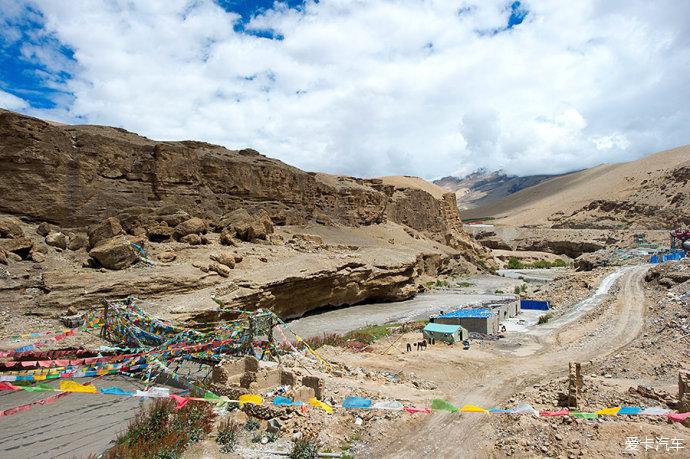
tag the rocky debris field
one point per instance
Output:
(173, 258)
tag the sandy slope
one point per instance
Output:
(406, 181)
(538, 205)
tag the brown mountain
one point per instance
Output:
(650, 193)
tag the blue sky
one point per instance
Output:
(418, 87)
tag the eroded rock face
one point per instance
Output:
(79, 175)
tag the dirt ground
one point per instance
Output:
(528, 367)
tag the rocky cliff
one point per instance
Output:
(204, 220)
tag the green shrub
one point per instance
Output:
(514, 263)
(158, 431)
(305, 448)
(252, 424)
(545, 318)
(516, 290)
(228, 433)
(464, 284)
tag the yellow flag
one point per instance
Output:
(71, 386)
(251, 398)
(472, 409)
(39, 377)
(609, 411)
(318, 404)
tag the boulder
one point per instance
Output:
(220, 269)
(167, 257)
(44, 228)
(104, 231)
(589, 261)
(159, 232)
(20, 246)
(192, 239)
(37, 256)
(312, 238)
(194, 225)
(227, 237)
(57, 239)
(224, 258)
(130, 222)
(246, 227)
(77, 241)
(115, 253)
(173, 219)
(265, 219)
(9, 228)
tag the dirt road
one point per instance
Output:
(600, 332)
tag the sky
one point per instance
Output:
(365, 88)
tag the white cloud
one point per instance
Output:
(12, 102)
(388, 87)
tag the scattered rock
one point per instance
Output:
(9, 228)
(201, 266)
(159, 232)
(220, 269)
(57, 239)
(191, 239)
(115, 253)
(224, 258)
(37, 256)
(194, 225)
(246, 227)
(77, 241)
(3, 257)
(227, 237)
(44, 228)
(173, 219)
(314, 239)
(104, 231)
(274, 425)
(19, 246)
(167, 257)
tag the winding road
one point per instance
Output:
(618, 323)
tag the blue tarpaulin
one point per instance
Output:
(479, 313)
(356, 402)
(535, 304)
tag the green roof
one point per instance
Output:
(441, 328)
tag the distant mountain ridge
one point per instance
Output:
(652, 192)
(483, 187)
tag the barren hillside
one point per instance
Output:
(652, 193)
(95, 211)
(482, 188)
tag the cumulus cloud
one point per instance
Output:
(12, 102)
(425, 88)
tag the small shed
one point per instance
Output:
(478, 320)
(442, 332)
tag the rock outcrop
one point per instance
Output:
(102, 189)
(79, 175)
